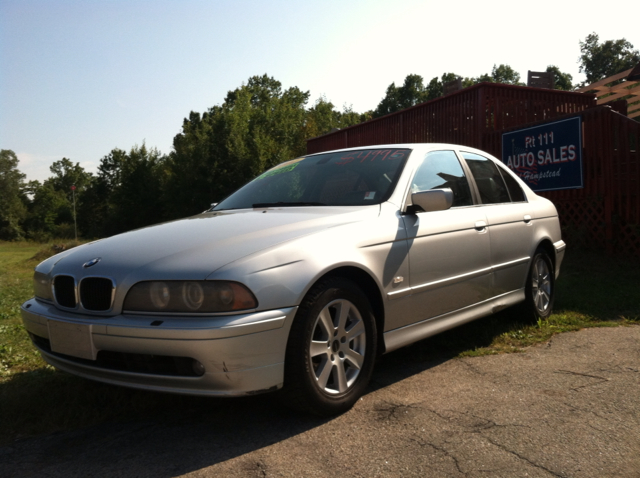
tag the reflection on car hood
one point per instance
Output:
(194, 247)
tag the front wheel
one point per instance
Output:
(540, 286)
(331, 349)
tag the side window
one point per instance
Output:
(515, 191)
(441, 169)
(488, 179)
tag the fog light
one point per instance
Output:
(198, 368)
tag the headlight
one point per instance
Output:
(189, 296)
(159, 294)
(42, 286)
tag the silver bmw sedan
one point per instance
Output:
(298, 280)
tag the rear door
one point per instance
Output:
(509, 218)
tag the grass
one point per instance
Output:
(16, 269)
(35, 399)
(592, 291)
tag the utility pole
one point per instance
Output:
(75, 224)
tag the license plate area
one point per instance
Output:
(71, 339)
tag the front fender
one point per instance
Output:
(284, 274)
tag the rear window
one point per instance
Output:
(515, 191)
(488, 179)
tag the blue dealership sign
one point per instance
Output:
(546, 157)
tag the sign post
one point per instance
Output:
(546, 157)
(75, 224)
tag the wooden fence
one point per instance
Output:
(605, 214)
(625, 84)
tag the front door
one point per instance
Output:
(449, 251)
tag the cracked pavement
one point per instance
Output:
(567, 408)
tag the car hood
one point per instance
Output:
(194, 247)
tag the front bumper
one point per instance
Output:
(217, 355)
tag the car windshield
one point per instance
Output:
(345, 178)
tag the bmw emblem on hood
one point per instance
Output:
(92, 262)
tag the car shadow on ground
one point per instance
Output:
(155, 434)
(433, 351)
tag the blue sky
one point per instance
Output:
(80, 78)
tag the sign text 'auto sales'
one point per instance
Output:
(546, 157)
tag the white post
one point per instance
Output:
(75, 224)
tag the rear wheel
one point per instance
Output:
(331, 349)
(540, 286)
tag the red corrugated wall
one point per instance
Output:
(461, 118)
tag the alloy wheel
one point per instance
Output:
(541, 285)
(338, 346)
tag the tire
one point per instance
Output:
(331, 349)
(540, 288)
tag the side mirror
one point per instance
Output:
(433, 200)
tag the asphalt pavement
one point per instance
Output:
(567, 408)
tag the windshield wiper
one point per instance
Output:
(286, 204)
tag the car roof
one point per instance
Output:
(414, 146)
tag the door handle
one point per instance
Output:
(527, 218)
(480, 226)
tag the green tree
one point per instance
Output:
(562, 81)
(49, 213)
(389, 104)
(12, 197)
(126, 193)
(412, 92)
(258, 126)
(96, 209)
(136, 198)
(503, 74)
(51, 210)
(435, 88)
(601, 60)
(348, 117)
(322, 118)
(66, 174)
